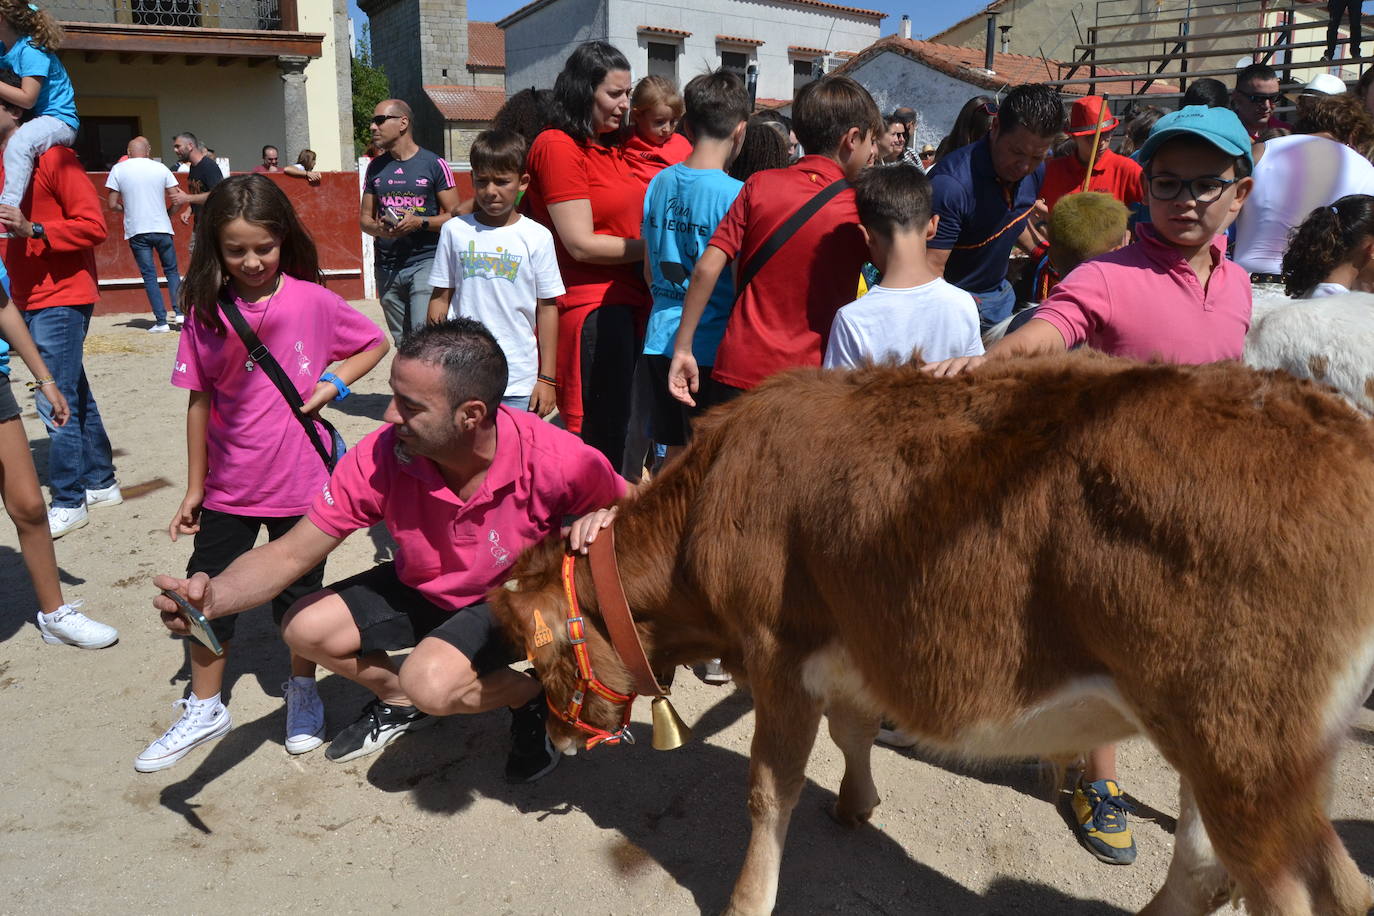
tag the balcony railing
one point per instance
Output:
(262, 15)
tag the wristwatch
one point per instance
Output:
(38, 231)
(344, 390)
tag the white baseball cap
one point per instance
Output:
(1325, 84)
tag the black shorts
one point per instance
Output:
(223, 538)
(671, 420)
(9, 407)
(391, 615)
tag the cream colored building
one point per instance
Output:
(239, 74)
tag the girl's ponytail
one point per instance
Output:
(28, 19)
(1324, 240)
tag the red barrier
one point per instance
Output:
(329, 210)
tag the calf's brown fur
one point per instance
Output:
(1048, 555)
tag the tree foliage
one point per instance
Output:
(369, 88)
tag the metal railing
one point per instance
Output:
(223, 14)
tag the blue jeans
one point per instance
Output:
(405, 296)
(995, 304)
(79, 457)
(143, 245)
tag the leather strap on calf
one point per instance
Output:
(615, 611)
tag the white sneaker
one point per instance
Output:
(304, 716)
(68, 626)
(105, 496)
(713, 673)
(161, 328)
(62, 520)
(199, 723)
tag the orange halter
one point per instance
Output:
(587, 679)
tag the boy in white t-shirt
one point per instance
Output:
(911, 309)
(499, 268)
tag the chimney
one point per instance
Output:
(906, 26)
(990, 43)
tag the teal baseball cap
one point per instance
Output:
(1218, 126)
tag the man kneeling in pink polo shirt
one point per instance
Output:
(1171, 296)
(463, 486)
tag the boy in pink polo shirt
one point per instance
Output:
(463, 486)
(1171, 296)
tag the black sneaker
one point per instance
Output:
(377, 727)
(532, 755)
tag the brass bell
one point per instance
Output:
(670, 732)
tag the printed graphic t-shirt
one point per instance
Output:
(453, 551)
(260, 460)
(202, 177)
(496, 274)
(408, 186)
(682, 209)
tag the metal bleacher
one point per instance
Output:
(1190, 39)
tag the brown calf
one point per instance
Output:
(1047, 556)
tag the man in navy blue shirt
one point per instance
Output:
(984, 194)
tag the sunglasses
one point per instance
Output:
(1259, 98)
(927, 155)
(379, 120)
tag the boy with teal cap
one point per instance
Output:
(1173, 296)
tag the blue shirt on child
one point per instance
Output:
(980, 215)
(57, 98)
(4, 344)
(682, 208)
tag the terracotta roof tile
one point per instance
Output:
(966, 64)
(737, 40)
(486, 46)
(803, 49)
(660, 30)
(467, 103)
(534, 5)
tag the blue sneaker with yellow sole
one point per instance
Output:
(1100, 811)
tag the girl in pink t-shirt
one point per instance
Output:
(250, 463)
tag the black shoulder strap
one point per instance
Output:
(259, 354)
(783, 233)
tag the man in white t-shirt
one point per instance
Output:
(500, 268)
(138, 187)
(911, 309)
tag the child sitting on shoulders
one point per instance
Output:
(31, 38)
(912, 309)
(655, 108)
(1332, 252)
(500, 268)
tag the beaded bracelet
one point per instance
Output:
(39, 383)
(547, 380)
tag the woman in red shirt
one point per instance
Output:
(581, 187)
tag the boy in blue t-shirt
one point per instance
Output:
(682, 208)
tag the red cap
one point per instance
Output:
(1084, 115)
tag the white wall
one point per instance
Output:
(777, 24)
(538, 44)
(894, 80)
(234, 110)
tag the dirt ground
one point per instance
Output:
(242, 827)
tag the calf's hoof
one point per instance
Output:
(850, 818)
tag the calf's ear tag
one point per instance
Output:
(542, 634)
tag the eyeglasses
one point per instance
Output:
(1204, 190)
(379, 120)
(928, 155)
(1259, 98)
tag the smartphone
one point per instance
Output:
(198, 622)
(392, 217)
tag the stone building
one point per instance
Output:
(237, 73)
(449, 70)
(788, 41)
